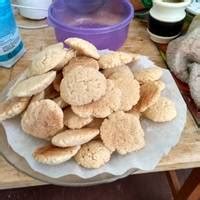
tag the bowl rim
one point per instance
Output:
(56, 24)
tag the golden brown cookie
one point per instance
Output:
(149, 74)
(12, 107)
(76, 137)
(116, 59)
(81, 61)
(73, 121)
(122, 132)
(130, 90)
(93, 155)
(103, 107)
(149, 94)
(52, 155)
(57, 81)
(82, 86)
(42, 119)
(49, 58)
(33, 85)
(60, 102)
(82, 47)
(162, 111)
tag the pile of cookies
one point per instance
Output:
(86, 105)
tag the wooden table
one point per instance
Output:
(186, 154)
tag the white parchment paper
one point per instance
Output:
(160, 138)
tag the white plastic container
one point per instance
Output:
(32, 13)
(166, 19)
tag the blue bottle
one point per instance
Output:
(11, 45)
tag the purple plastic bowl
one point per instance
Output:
(105, 25)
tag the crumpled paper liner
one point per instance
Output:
(159, 137)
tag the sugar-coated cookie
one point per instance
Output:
(116, 59)
(149, 94)
(69, 138)
(51, 155)
(122, 132)
(52, 57)
(33, 85)
(163, 110)
(73, 121)
(82, 47)
(103, 107)
(12, 107)
(82, 86)
(83, 61)
(93, 155)
(42, 119)
(149, 74)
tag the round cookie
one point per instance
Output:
(33, 85)
(103, 107)
(116, 59)
(122, 132)
(60, 102)
(53, 56)
(73, 121)
(82, 86)
(81, 61)
(70, 138)
(149, 74)
(82, 47)
(12, 107)
(42, 119)
(52, 155)
(130, 90)
(162, 111)
(93, 155)
(149, 94)
(57, 81)
(123, 69)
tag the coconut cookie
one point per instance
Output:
(122, 132)
(50, 58)
(71, 138)
(103, 107)
(42, 119)
(82, 86)
(12, 107)
(33, 85)
(162, 111)
(122, 70)
(130, 90)
(60, 102)
(81, 61)
(73, 121)
(52, 155)
(149, 94)
(116, 59)
(82, 47)
(149, 74)
(93, 155)
(57, 81)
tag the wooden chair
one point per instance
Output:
(190, 189)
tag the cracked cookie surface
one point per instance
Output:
(82, 86)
